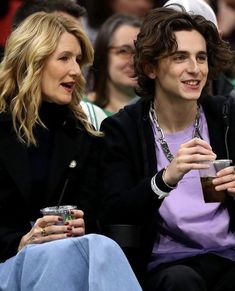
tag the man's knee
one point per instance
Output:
(177, 278)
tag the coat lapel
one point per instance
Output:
(70, 146)
(68, 153)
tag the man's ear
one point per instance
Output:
(150, 70)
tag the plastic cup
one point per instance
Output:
(207, 175)
(63, 211)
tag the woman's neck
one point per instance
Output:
(119, 97)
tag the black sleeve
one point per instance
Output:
(125, 186)
(13, 217)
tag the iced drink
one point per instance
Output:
(63, 210)
(207, 175)
(209, 192)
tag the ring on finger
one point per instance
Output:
(32, 238)
(43, 231)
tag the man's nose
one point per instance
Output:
(193, 66)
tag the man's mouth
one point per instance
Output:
(192, 82)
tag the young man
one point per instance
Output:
(153, 151)
(224, 84)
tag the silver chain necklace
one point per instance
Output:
(160, 134)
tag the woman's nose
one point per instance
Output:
(75, 69)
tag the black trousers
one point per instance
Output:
(206, 272)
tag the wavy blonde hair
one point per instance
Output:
(27, 50)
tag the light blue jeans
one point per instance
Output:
(91, 262)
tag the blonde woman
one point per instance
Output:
(48, 155)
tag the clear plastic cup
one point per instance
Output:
(207, 175)
(63, 210)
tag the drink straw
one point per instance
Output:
(62, 192)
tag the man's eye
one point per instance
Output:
(202, 58)
(179, 57)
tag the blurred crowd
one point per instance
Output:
(111, 80)
(98, 11)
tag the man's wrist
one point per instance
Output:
(167, 184)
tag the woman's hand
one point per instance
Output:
(52, 227)
(77, 224)
(225, 180)
(190, 156)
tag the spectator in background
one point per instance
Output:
(230, 3)
(67, 7)
(138, 8)
(70, 9)
(112, 78)
(226, 20)
(99, 11)
(224, 10)
(200, 7)
(7, 11)
(18, 10)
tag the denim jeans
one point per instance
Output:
(91, 262)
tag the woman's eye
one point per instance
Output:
(126, 50)
(122, 51)
(64, 58)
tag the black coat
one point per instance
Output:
(17, 205)
(129, 162)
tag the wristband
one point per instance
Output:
(159, 186)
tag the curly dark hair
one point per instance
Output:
(157, 40)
